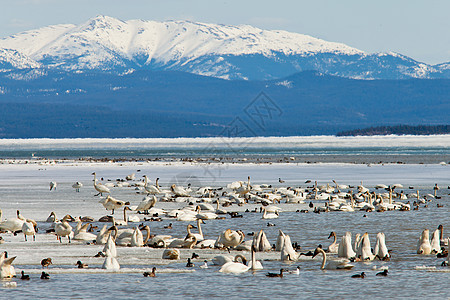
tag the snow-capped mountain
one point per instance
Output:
(231, 52)
(13, 59)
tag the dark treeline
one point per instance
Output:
(398, 130)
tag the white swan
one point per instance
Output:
(123, 222)
(110, 246)
(52, 217)
(342, 264)
(28, 229)
(100, 188)
(110, 203)
(220, 260)
(62, 229)
(171, 254)
(424, 246)
(137, 239)
(242, 190)
(231, 238)
(77, 186)
(366, 251)
(81, 233)
(435, 242)
(110, 262)
(334, 247)
(198, 235)
(6, 269)
(152, 189)
(234, 267)
(261, 242)
(287, 251)
(345, 246)
(280, 240)
(205, 215)
(102, 236)
(267, 215)
(14, 224)
(146, 204)
(380, 249)
(179, 191)
(254, 264)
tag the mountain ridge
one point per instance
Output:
(239, 52)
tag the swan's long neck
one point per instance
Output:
(188, 228)
(324, 260)
(157, 184)
(199, 225)
(253, 254)
(334, 241)
(125, 215)
(147, 229)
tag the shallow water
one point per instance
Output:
(25, 187)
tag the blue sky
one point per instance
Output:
(419, 29)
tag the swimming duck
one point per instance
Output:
(362, 275)
(384, 273)
(189, 263)
(81, 265)
(24, 277)
(45, 275)
(276, 274)
(150, 274)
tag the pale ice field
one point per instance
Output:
(26, 187)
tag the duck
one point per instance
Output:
(168, 226)
(24, 276)
(296, 271)
(189, 263)
(100, 188)
(333, 264)
(334, 247)
(46, 262)
(150, 274)
(362, 275)
(276, 274)
(205, 265)
(80, 265)
(383, 273)
(45, 275)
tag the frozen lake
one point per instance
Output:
(26, 187)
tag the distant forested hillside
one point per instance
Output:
(398, 130)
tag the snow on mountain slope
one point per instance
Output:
(104, 41)
(230, 52)
(13, 59)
